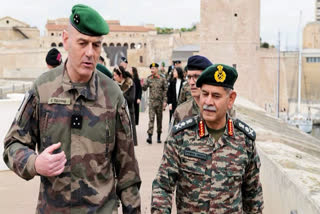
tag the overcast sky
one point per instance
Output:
(276, 15)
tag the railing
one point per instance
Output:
(14, 88)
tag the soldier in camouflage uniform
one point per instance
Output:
(157, 100)
(196, 64)
(185, 93)
(73, 130)
(210, 159)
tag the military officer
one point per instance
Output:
(77, 118)
(157, 100)
(210, 159)
(196, 64)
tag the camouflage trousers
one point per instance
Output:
(155, 109)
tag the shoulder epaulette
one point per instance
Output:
(249, 132)
(184, 124)
(184, 83)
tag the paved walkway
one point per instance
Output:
(19, 196)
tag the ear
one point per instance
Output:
(65, 38)
(232, 98)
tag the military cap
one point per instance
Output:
(104, 70)
(54, 57)
(88, 21)
(163, 64)
(123, 59)
(218, 75)
(198, 62)
(156, 65)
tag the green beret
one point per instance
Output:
(218, 75)
(88, 21)
(156, 65)
(104, 70)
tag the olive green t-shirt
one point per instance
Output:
(216, 133)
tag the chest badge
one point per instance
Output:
(201, 128)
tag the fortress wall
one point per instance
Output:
(280, 193)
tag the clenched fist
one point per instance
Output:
(49, 164)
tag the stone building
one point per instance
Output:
(17, 34)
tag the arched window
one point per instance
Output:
(52, 34)
(132, 46)
(125, 45)
(60, 44)
(53, 44)
(111, 45)
(104, 44)
(141, 59)
(118, 44)
(139, 45)
(145, 45)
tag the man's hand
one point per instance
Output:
(138, 101)
(49, 164)
(164, 106)
(170, 106)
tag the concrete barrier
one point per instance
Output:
(281, 194)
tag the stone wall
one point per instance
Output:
(311, 35)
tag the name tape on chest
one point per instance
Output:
(183, 125)
(245, 129)
(58, 100)
(194, 154)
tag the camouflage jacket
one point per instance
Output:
(186, 110)
(185, 93)
(158, 88)
(209, 176)
(102, 147)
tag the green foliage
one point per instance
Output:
(264, 45)
(166, 30)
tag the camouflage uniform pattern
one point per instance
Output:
(209, 176)
(158, 88)
(186, 110)
(102, 147)
(185, 93)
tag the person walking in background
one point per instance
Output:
(157, 100)
(53, 58)
(73, 130)
(134, 73)
(123, 62)
(101, 66)
(127, 86)
(174, 89)
(196, 64)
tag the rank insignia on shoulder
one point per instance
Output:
(245, 129)
(184, 124)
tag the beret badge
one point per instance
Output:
(76, 18)
(220, 75)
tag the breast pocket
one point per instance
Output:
(227, 186)
(192, 175)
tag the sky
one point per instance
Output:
(276, 15)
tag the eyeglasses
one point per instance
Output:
(194, 77)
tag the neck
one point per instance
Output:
(197, 99)
(217, 125)
(74, 77)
